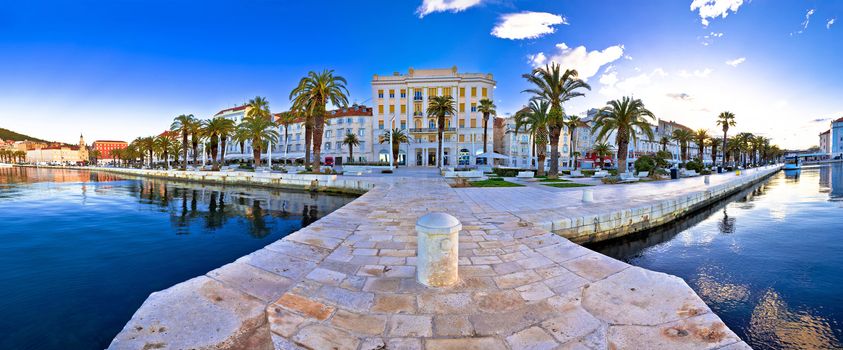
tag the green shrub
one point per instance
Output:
(611, 179)
(695, 165)
(705, 172)
(645, 163)
(507, 172)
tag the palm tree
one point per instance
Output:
(555, 87)
(534, 119)
(487, 108)
(743, 141)
(624, 117)
(217, 130)
(440, 106)
(602, 150)
(683, 137)
(664, 141)
(149, 147)
(196, 137)
(398, 137)
(184, 125)
(573, 123)
(285, 119)
(259, 131)
(699, 138)
(175, 149)
(94, 155)
(313, 94)
(713, 144)
(725, 120)
(162, 145)
(351, 140)
(240, 136)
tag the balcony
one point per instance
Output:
(417, 98)
(428, 130)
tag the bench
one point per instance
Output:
(600, 174)
(628, 177)
(643, 174)
(472, 174)
(576, 173)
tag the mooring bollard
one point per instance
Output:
(438, 249)
(588, 196)
(707, 180)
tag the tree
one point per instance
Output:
(725, 120)
(602, 150)
(623, 117)
(552, 85)
(149, 146)
(196, 137)
(682, 137)
(398, 137)
(285, 119)
(94, 155)
(440, 106)
(258, 131)
(352, 141)
(487, 108)
(217, 130)
(699, 138)
(713, 144)
(184, 125)
(313, 93)
(534, 119)
(743, 141)
(175, 149)
(573, 123)
(240, 136)
(162, 145)
(664, 141)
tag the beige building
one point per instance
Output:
(400, 102)
(57, 153)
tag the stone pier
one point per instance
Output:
(349, 281)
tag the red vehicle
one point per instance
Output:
(329, 161)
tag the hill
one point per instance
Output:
(6, 134)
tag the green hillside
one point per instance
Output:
(6, 134)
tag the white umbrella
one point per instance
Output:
(491, 155)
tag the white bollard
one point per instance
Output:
(588, 196)
(707, 180)
(438, 250)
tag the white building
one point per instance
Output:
(401, 102)
(836, 137)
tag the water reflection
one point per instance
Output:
(766, 260)
(87, 248)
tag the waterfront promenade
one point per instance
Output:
(348, 281)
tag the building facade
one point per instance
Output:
(106, 149)
(825, 142)
(401, 102)
(836, 138)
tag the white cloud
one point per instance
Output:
(709, 39)
(736, 62)
(527, 25)
(715, 8)
(704, 73)
(613, 86)
(830, 23)
(805, 23)
(430, 6)
(587, 63)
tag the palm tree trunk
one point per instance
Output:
(485, 129)
(350, 153)
(623, 145)
(574, 149)
(214, 149)
(395, 153)
(555, 131)
(440, 133)
(256, 153)
(222, 149)
(540, 160)
(725, 152)
(184, 150)
(318, 129)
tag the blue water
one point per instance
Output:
(80, 251)
(769, 260)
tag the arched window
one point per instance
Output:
(418, 123)
(431, 123)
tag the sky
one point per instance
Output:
(120, 69)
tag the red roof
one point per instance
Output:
(839, 120)
(232, 109)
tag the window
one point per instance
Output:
(391, 93)
(338, 145)
(473, 92)
(380, 109)
(483, 92)
(432, 92)
(328, 146)
(349, 120)
(361, 120)
(391, 109)
(327, 134)
(474, 107)
(403, 109)
(403, 124)
(380, 93)
(431, 124)
(462, 107)
(380, 124)
(298, 147)
(417, 107)
(417, 94)
(339, 121)
(417, 123)
(361, 132)
(298, 136)
(462, 137)
(361, 145)
(462, 92)
(462, 123)
(446, 91)
(474, 123)
(403, 93)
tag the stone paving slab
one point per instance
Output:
(348, 282)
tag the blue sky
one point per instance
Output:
(122, 69)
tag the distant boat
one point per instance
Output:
(792, 163)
